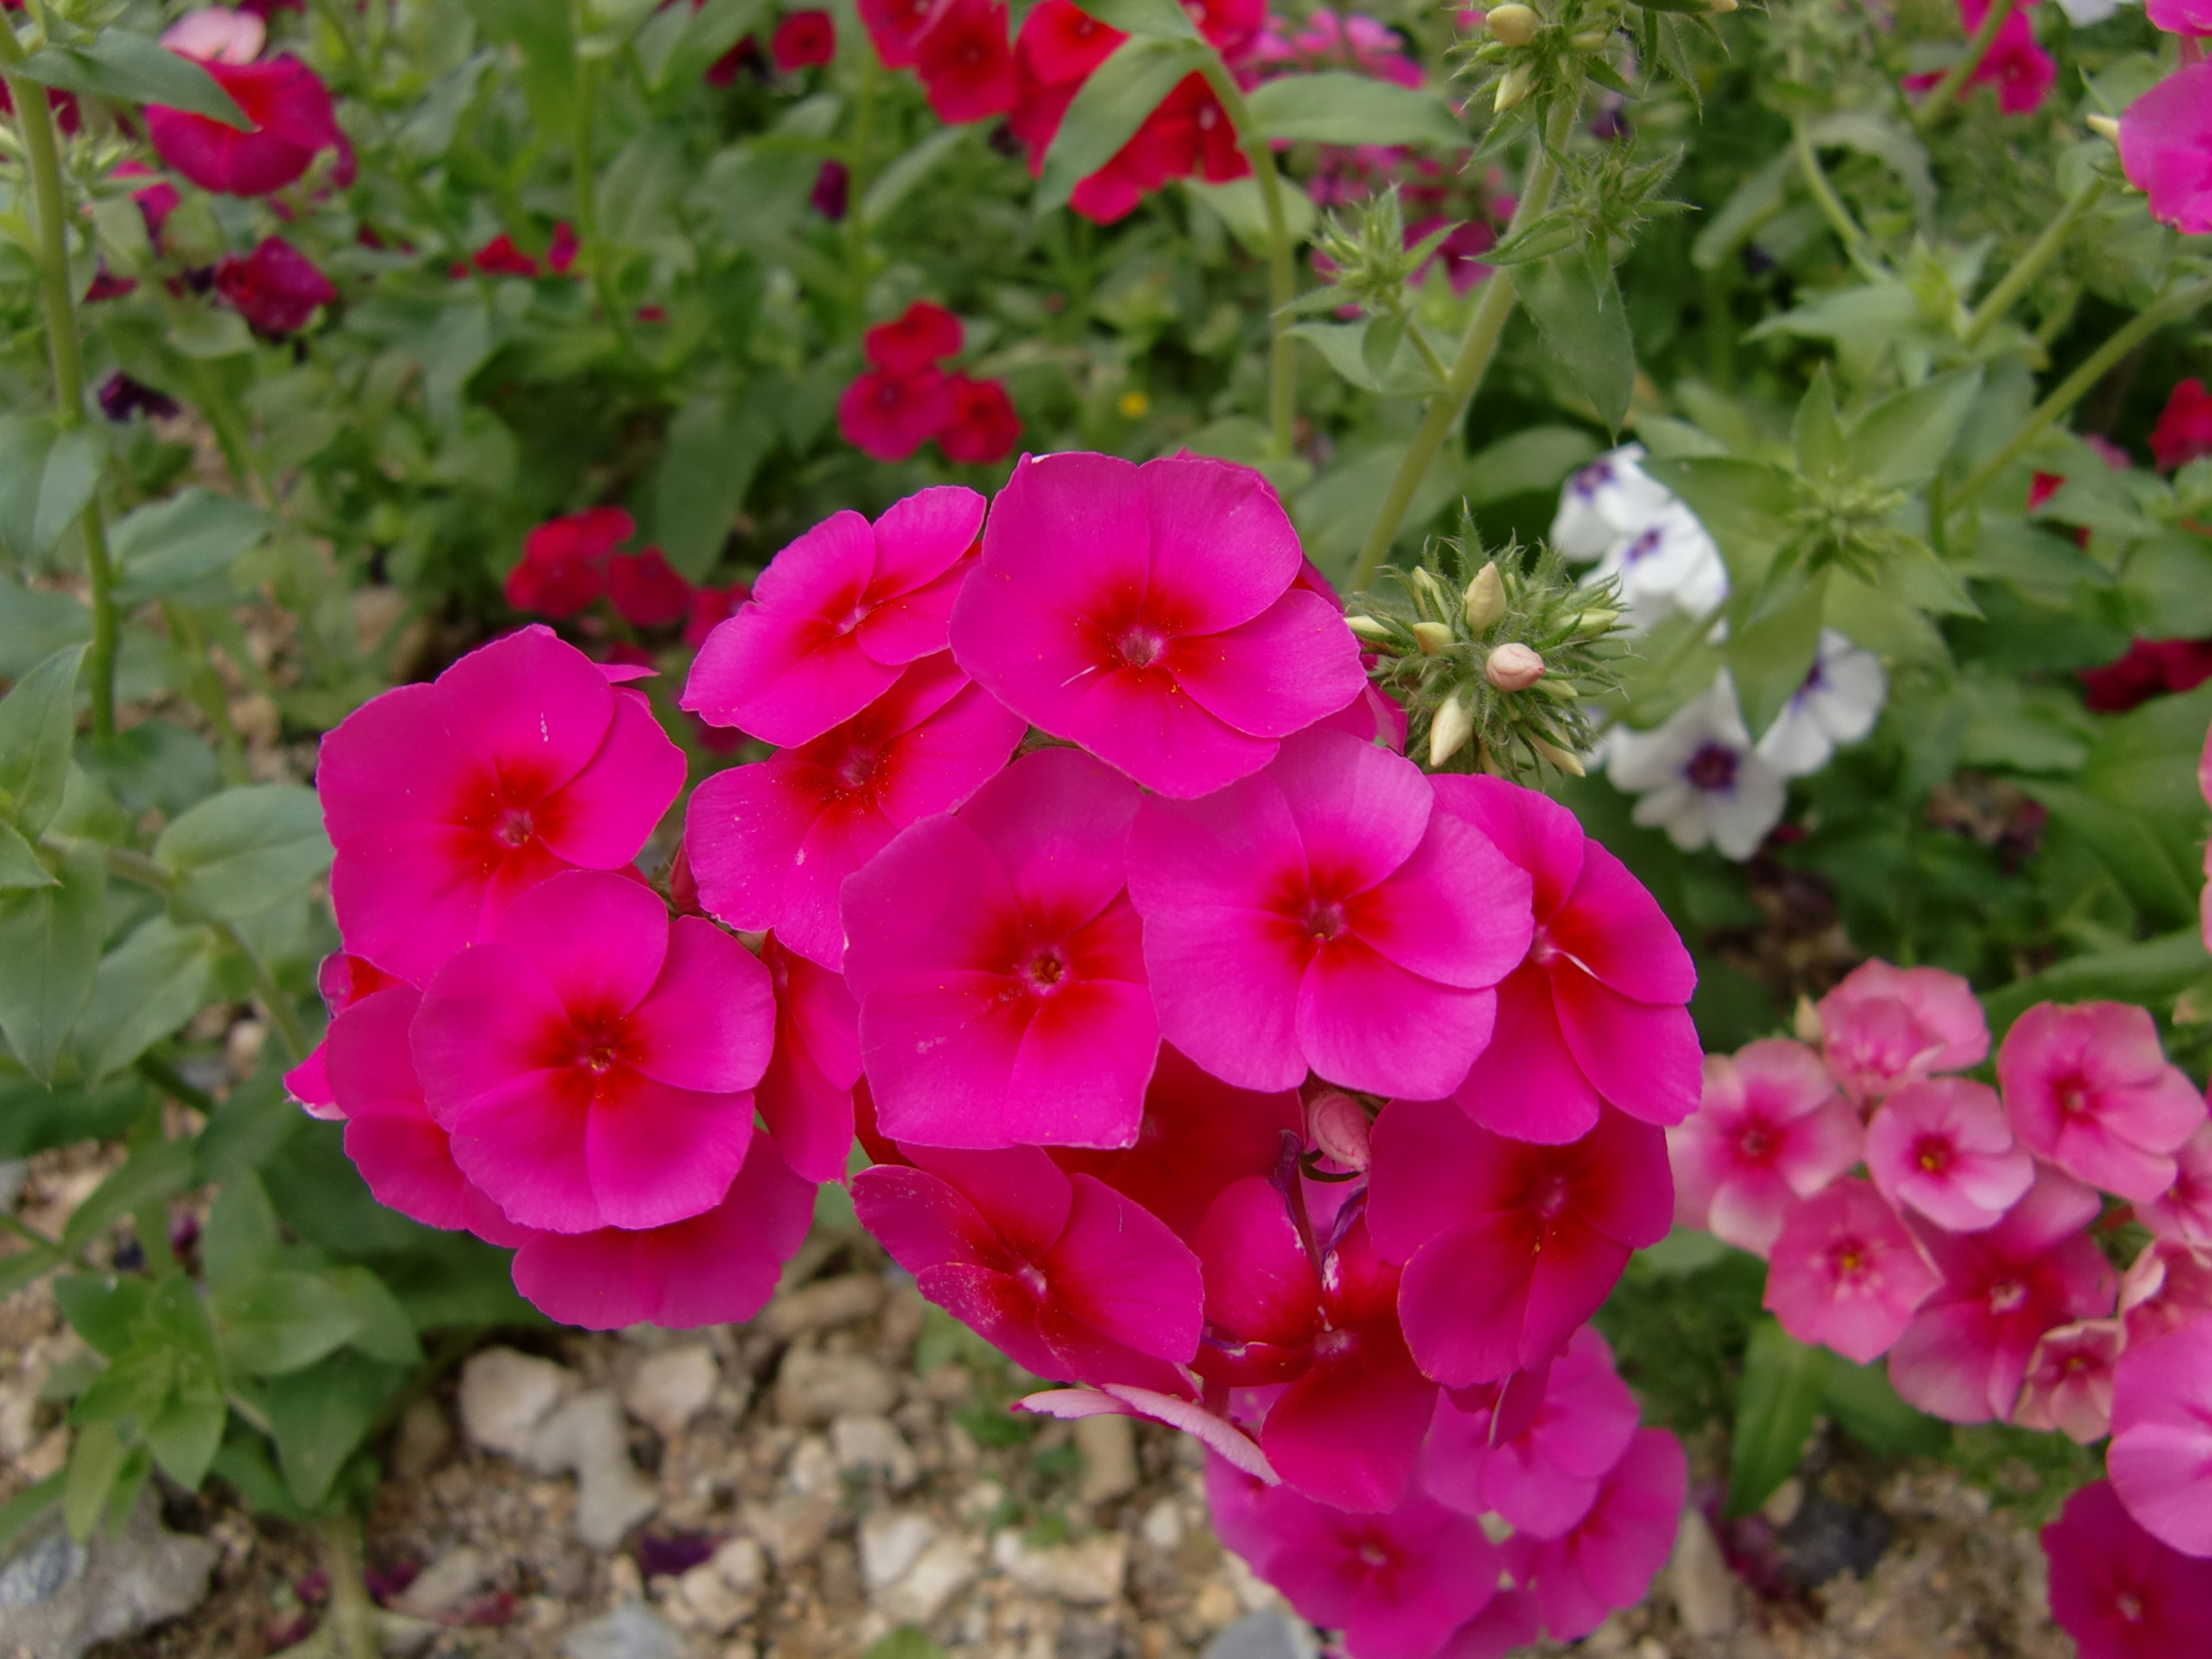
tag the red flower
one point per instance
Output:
(564, 562)
(982, 426)
(290, 110)
(501, 258)
(709, 606)
(966, 67)
(896, 28)
(276, 288)
(888, 414)
(2184, 432)
(803, 39)
(921, 335)
(156, 202)
(2151, 668)
(107, 285)
(831, 185)
(645, 591)
(560, 257)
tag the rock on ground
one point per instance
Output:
(505, 1395)
(57, 1599)
(671, 1387)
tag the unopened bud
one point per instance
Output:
(1559, 688)
(1565, 759)
(1806, 1022)
(1721, 6)
(1485, 598)
(1513, 667)
(1449, 732)
(1594, 41)
(1433, 636)
(1512, 25)
(1338, 1129)
(1595, 622)
(1513, 87)
(1367, 628)
(2103, 126)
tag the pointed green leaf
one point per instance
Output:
(1576, 308)
(716, 446)
(240, 1239)
(1769, 658)
(97, 1462)
(1860, 1398)
(166, 546)
(1817, 435)
(102, 1308)
(1335, 107)
(19, 865)
(154, 1172)
(243, 850)
(1114, 103)
(320, 1415)
(1776, 1406)
(386, 1333)
(37, 718)
(1162, 19)
(138, 70)
(1743, 504)
(49, 951)
(281, 1320)
(47, 477)
(1901, 442)
(146, 988)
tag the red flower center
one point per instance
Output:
(1548, 1197)
(1140, 647)
(857, 769)
(2007, 1296)
(597, 1048)
(1848, 1260)
(1045, 971)
(2128, 1606)
(1755, 1143)
(2072, 1096)
(1325, 920)
(513, 828)
(1933, 1154)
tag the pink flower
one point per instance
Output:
(2183, 1211)
(965, 62)
(806, 1096)
(1222, 1438)
(644, 592)
(2167, 1286)
(896, 27)
(2162, 1453)
(996, 962)
(594, 1062)
(2187, 17)
(342, 980)
(803, 39)
(2119, 1592)
(983, 427)
(1846, 1273)
(1944, 1148)
(564, 562)
(1967, 1348)
(772, 843)
(2166, 148)
(276, 288)
(1507, 1246)
(2089, 1087)
(1320, 1313)
(217, 34)
(1066, 1277)
(709, 608)
(835, 617)
(714, 1268)
(2068, 1386)
(448, 801)
(1148, 614)
(1884, 1027)
(2022, 72)
(291, 119)
(2184, 432)
(920, 335)
(1508, 1625)
(1771, 1127)
(888, 413)
(1610, 1559)
(1320, 915)
(1597, 1012)
(1543, 1480)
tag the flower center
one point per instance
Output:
(1850, 1260)
(1330, 1343)
(2072, 1096)
(1542, 950)
(1325, 920)
(2128, 1606)
(1712, 768)
(2007, 1295)
(1140, 647)
(1549, 1195)
(1031, 1279)
(1933, 1154)
(1755, 1143)
(597, 1050)
(857, 769)
(513, 827)
(1045, 971)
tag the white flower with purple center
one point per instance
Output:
(1614, 512)
(1838, 703)
(1605, 503)
(1700, 777)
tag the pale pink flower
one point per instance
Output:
(835, 617)
(1396, 1584)
(1321, 915)
(1884, 1026)
(1608, 1560)
(2089, 1088)
(2068, 1388)
(997, 964)
(2166, 148)
(1148, 614)
(2165, 1287)
(1222, 1438)
(2162, 1453)
(2183, 1211)
(1944, 1148)
(806, 1096)
(1846, 1273)
(1770, 1129)
(2119, 1592)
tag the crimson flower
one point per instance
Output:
(983, 428)
(896, 28)
(2184, 432)
(276, 288)
(564, 562)
(920, 335)
(803, 39)
(805, 1096)
(645, 591)
(1610, 1558)
(2119, 1592)
(290, 112)
(966, 65)
(888, 413)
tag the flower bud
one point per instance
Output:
(2103, 126)
(1433, 637)
(1512, 25)
(1367, 628)
(1593, 41)
(1721, 6)
(1513, 89)
(1485, 598)
(1449, 732)
(1806, 1022)
(1338, 1129)
(1513, 667)
(1565, 759)
(1595, 622)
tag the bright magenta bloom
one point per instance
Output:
(1846, 1273)
(342, 980)
(2161, 1455)
(1148, 614)
(2183, 1211)
(594, 1062)
(1884, 1027)
(1966, 1349)
(1508, 1247)
(2068, 1386)
(2089, 1088)
(1944, 1148)
(997, 965)
(771, 844)
(1322, 916)
(922, 335)
(806, 1096)
(1596, 1010)
(276, 288)
(1068, 1278)
(1543, 1480)
(2167, 1286)
(2181, 16)
(290, 110)
(2166, 148)
(835, 617)
(965, 61)
(1770, 1129)
(2118, 1591)
(448, 801)
(1610, 1559)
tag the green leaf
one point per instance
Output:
(26, 1267)
(35, 623)
(156, 766)
(1345, 348)
(245, 849)
(1769, 657)
(715, 446)
(47, 478)
(26, 1506)
(1895, 147)
(896, 182)
(1114, 103)
(1575, 306)
(1162, 19)
(1335, 107)
(1901, 442)
(385, 1332)
(281, 1320)
(37, 718)
(102, 1308)
(240, 1239)
(18, 864)
(1776, 1406)
(1243, 209)
(1817, 435)
(1861, 1398)
(33, 1117)
(146, 988)
(678, 44)
(98, 1462)
(1743, 504)
(49, 951)
(166, 546)
(1684, 1250)
(2148, 972)
(136, 70)
(1750, 205)
(243, 1460)
(182, 1425)
(208, 335)
(1533, 460)
(320, 1415)
(156, 1171)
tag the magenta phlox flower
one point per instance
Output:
(1396, 1584)
(806, 1096)
(2068, 1388)
(445, 802)
(1944, 1149)
(1846, 1273)
(772, 843)
(1608, 1560)
(1508, 1625)
(1886, 1026)
(2161, 1454)
(2088, 1088)
(1543, 1480)
(2165, 1287)
(999, 969)
(1226, 1442)
(1507, 1246)
(343, 980)
(1148, 614)
(2166, 148)
(2119, 1592)
(1233, 1496)
(593, 1061)
(1320, 915)
(2183, 1211)
(1596, 1010)
(2181, 16)
(1066, 1277)
(1965, 1353)
(1771, 1127)
(716, 1268)
(835, 617)
(1322, 1317)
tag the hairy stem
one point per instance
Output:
(1932, 108)
(2006, 294)
(1282, 269)
(353, 1619)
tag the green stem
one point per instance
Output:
(1858, 247)
(353, 1619)
(166, 1077)
(1282, 267)
(276, 1007)
(1932, 108)
(1475, 351)
(2002, 298)
(27, 1233)
(2071, 390)
(589, 248)
(859, 163)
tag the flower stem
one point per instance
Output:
(1282, 269)
(1475, 351)
(1932, 108)
(589, 248)
(2002, 298)
(857, 169)
(353, 1618)
(1858, 247)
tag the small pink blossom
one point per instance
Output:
(2068, 1386)
(1884, 1026)
(2088, 1088)
(1847, 1273)
(1322, 916)
(2185, 17)
(1609, 1558)
(1770, 1129)
(2161, 1454)
(2117, 1590)
(2167, 1286)
(997, 964)
(1148, 614)
(806, 1096)
(835, 616)
(1945, 1149)
(2166, 148)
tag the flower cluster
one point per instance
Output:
(503, 257)
(2022, 71)
(570, 564)
(1964, 1251)
(904, 398)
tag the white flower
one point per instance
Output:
(1636, 529)
(1838, 703)
(1699, 776)
(2082, 13)
(1605, 503)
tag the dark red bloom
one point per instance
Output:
(499, 256)
(265, 9)
(921, 335)
(156, 202)
(982, 426)
(107, 285)
(290, 110)
(64, 105)
(276, 288)
(564, 562)
(645, 591)
(896, 28)
(830, 185)
(888, 414)
(561, 256)
(709, 606)
(802, 39)
(966, 64)
(2184, 432)
(121, 397)
(2151, 668)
